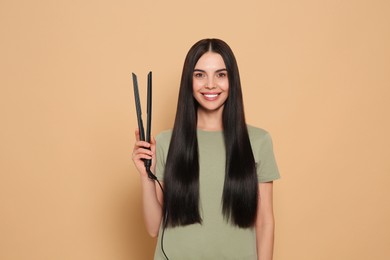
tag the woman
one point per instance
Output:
(217, 172)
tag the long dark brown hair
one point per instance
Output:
(181, 177)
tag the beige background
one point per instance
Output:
(315, 74)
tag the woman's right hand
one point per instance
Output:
(151, 195)
(144, 150)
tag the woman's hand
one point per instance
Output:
(150, 195)
(144, 150)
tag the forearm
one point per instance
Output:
(152, 208)
(265, 240)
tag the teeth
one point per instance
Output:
(211, 95)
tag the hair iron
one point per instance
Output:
(147, 162)
(142, 137)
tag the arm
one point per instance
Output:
(265, 222)
(151, 193)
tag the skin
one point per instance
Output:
(265, 223)
(210, 79)
(151, 193)
(211, 90)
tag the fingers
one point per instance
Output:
(141, 156)
(137, 137)
(143, 150)
(142, 144)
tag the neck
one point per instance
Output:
(210, 121)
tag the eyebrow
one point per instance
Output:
(205, 71)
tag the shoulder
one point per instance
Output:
(256, 133)
(260, 138)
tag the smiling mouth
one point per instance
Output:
(211, 96)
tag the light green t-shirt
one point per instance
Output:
(214, 238)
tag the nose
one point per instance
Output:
(210, 83)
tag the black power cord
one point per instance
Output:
(154, 178)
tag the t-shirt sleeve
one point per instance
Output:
(267, 169)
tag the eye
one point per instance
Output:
(198, 75)
(221, 74)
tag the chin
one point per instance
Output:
(210, 109)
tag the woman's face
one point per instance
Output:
(210, 82)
